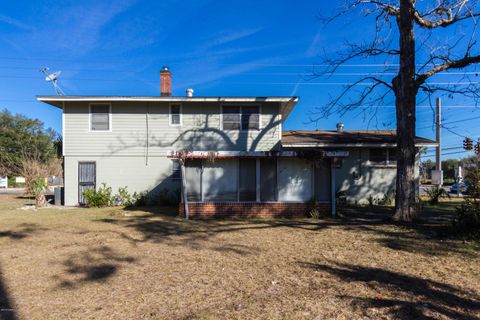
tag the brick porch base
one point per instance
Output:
(250, 209)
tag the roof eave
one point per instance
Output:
(353, 145)
(286, 103)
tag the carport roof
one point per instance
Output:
(352, 138)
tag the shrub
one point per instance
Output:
(372, 201)
(139, 199)
(123, 198)
(38, 186)
(388, 199)
(467, 221)
(98, 198)
(435, 193)
(313, 211)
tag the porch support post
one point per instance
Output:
(333, 187)
(257, 178)
(184, 189)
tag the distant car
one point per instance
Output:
(462, 185)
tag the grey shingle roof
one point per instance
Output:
(333, 137)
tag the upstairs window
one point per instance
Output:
(175, 115)
(100, 117)
(383, 156)
(241, 118)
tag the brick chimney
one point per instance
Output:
(165, 82)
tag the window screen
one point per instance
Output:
(175, 114)
(247, 180)
(231, 118)
(268, 180)
(219, 180)
(250, 118)
(241, 118)
(323, 185)
(378, 156)
(392, 156)
(193, 179)
(176, 169)
(294, 179)
(100, 117)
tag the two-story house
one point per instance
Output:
(237, 159)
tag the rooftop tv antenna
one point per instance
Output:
(53, 78)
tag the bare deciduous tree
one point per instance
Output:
(397, 23)
(29, 163)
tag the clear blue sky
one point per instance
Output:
(216, 47)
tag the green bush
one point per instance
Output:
(435, 193)
(313, 210)
(467, 221)
(98, 198)
(38, 187)
(139, 199)
(13, 184)
(123, 198)
(388, 199)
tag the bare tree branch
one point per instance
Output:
(448, 15)
(449, 64)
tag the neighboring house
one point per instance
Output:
(237, 158)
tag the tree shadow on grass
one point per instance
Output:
(22, 231)
(431, 234)
(418, 298)
(7, 311)
(193, 233)
(91, 265)
(159, 224)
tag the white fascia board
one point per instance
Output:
(256, 154)
(172, 99)
(193, 154)
(287, 103)
(351, 145)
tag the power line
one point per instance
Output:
(111, 59)
(259, 73)
(450, 122)
(246, 82)
(443, 154)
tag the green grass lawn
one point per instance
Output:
(146, 263)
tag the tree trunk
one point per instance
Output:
(405, 101)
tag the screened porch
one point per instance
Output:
(267, 179)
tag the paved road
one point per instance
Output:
(12, 191)
(19, 191)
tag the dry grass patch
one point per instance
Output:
(118, 264)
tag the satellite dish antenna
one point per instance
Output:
(53, 78)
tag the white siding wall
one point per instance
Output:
(200, 130)
(122, 171)
(131, 155)
(372, 180)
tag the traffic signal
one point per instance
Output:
(468, 144)
(477, 148)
